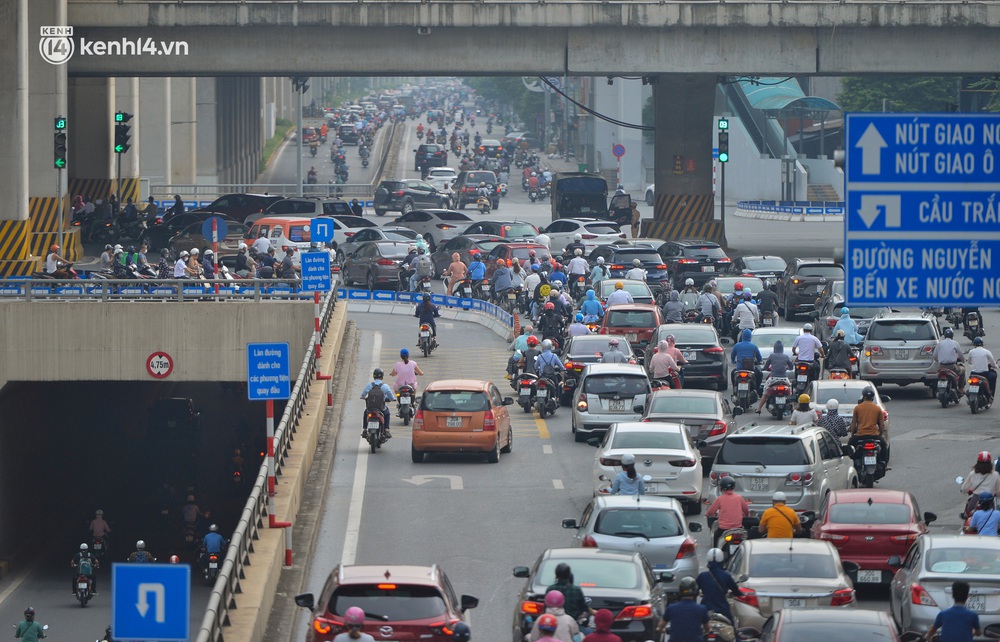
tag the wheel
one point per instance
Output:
(426, 348)
(406, 418)
(345, 275)
(724, 384)
(407, 207)
(373, 442)
(867, 480)
(494, 455)
(649, 199)
(510, 441)
(371, 282)
(379, 212)
(444, 204)
(943, 398)
(541, 410)
(461, 204)
(527, 408)
(415, 455)
(974, 406)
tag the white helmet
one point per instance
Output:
(808, 327)
(715, 555)
(636, 262)
(578, 251)
(243, 246)
(577, 237)
(534, 174)
(779, 497)
(628, 459)
(140, 545)
(209, 253)
(600, 260)
(833, 404)
(195, 251)
(83, 547)
(688, 281)
(184, 254)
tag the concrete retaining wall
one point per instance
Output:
(785, 234)
(406, 309)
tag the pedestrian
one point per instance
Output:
(636, 220)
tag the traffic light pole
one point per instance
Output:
(59, 206)
(118, 184)
(722, 195)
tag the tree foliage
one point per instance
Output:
(899, 93)
(528, 105)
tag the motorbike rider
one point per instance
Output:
(533, 181)
(620, 295)
(591, 308)
(54, 263)
(477, 269)
(849, 326)
(767, 303)
(575, 601)
(599, 272)
(484, 192)
(567, 627)
(84, 563)
(805, 348)
(777, 366)
(716, 583)
(779, 521)
(832, 420)
(427, 312)
(542, 289)
(243, 261)
(673, 309)
(99, 528)
(745, 313)
(613, 354)
(636, 273)
(550, 322)
(746, 355)
(213, 542)
(356, 207)
(838, 357)
(627, 481)
(577, 265)
(312, 176)
(381, 390)
(27, 629)
(709, 306)
(803, 413)
(548, 365)
(354, 618)
(663, 366)
(406, 371)
(521, 342)
(515, 364)
(577, 244)
(688, 620)
(577, 328)
(729, 506)
(420, 265)
(603, 621)
(982, 477)
(867, 421)
(986, 519)
(140, 555)
(982, 363)
(208, 265)
(531, 354)
(949, 356)
(501, 279)
(558, 275)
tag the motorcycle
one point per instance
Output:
(425, 284)
(546, 396)
(527, 385)
(509, 300)
(746, 389)
(978, 393)
(405, 401)
(777, 402)
(427, 341)
(420, 135)
(973, 326)
(867, 462)
(533, 194)
(577, 286)
(84, 584)
(374, 431)
(364, 162)
(543, 191)
(483, 205)
(100, 548)
(212, 567)
(313, 149)
(463, 289)
(947, 387)
(803, 375)
(767, 320)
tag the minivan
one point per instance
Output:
(285, 231)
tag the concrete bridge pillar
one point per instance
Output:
(684, 109)
(208, 130)
(155, 151)
(183, 141)
(15, 46)
(92, 101)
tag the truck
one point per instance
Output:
(579, 194)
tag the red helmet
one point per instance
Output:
(548, 623)
(533, 340)
(984, 456)
(550, 305)
(738, 286)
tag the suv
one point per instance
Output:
(899, 348)
(693, 259)
(801, 282)
(348, 134)
(406, 195)
(411, 602)
(240, 206)
(804, 462)
(430, 155)
(311, 206)
(467, 187)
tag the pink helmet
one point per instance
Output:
(554, 598)
(354, 616)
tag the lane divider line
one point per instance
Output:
(558, 484)
(547, 449)
(543, 430)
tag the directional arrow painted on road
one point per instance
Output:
(419, 480)
(872, 204)
(159, 592)
(871, 144)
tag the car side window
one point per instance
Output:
(912, 556)
(449, 590)
(475, 228)
(495, 394)
(824, 448)
(276, 232)
(558, 226)
(406, 218)
(363, 235)
(735, 562)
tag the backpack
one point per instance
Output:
(375, 399)
(85, 567)
(424, 265)
(548, 370)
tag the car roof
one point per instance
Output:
(649, 426)
(686, 392)
(615, 368)
(901, 316)
(813, 259)
(946, 540)
(630, 501)
(588, 553)
(826, 615)
(877, 495)
(634, 306)
(696, 242)
(771, 430)
(801, 546)
(458, 384)
(409, 574)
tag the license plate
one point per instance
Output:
(973, 323)
(794, 602)
(618, 404)
(512, 296)
(405, 401)
(743, 386)
(98, 546)
(631, 337)
(213, 565)
(779, 401)
(373, 425)
(652, 488)
(467, 292)
(525, 392)
(870, 577)
(690, 356)
(82, 585)
(870, 461)
(902, 354)
(486, 289)
(708, 268)
(425, 333)
(802, 378)
(542, 394)
(942, 384)
(973, 389)
(758, 483)
(976, 603)
(453, 422)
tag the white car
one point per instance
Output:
(662, 450)
(443, 178)
(435, 225)
(650, 195)
(594, 232)
(764, 339)
(847, 392)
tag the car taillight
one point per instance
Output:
(716, 477)
(870, 350)
(532, 608)
(682, 463)
(842, 597)
(617, 267)
(748, 596)
(588, 542)
(909, 537)
(622, 235)
(442, 628)
(830, 322)
(687, 549)
(661, 267)
(714, 350)
(799, 479)
(724, 261)
(920, 596)
(588, 236)
(582, 405)
(399, 193)
(687, 261)
(489, 421)
(718, 428)
(637, 612)
(385, 262)
(445, 226)
(608, 461)
(927, 350)
(418, 420)
(834, 537)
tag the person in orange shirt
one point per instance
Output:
(779, 521)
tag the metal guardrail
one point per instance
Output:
(826, 208)
(197, 191)
(176, 290)
(223, 597)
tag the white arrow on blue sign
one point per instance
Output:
(151, 601)
(321, 230)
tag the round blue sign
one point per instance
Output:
(618, 150)
(220, 227)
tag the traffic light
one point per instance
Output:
(59, 144)
(723, 140)
(122, 132)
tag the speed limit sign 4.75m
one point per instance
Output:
(159, 365)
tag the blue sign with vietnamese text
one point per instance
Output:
(316, 272)
(268, 371)
(922, 220)
(150, 601)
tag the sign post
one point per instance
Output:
(618, 150)
(151, 601)
(269, 378)
(212, 229)
(922, 218)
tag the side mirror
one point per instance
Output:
(737, 411)
(521, 571)
(701, 444)
(306, 601)
(743, 578)
(885, 398)
(851, 568)
(848, 450)
(602, 477)
(694, 527)
(570, 523)
(895, 561)
(960, 480)
(638, 409)
(508, 401)
(725, 340)
(595, 442)
(469, 602)
(929, 517)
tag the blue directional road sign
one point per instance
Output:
(923, 213)
(268, 371)
(150, 601)
(316, 272)
(220, 226)
(321, 230)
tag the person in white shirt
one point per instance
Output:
(620, 295)
(636, 273)
(806, 346)
(107, 256)
(981, 362)
(531, 282)
(262, 244)
(53, 259)
(745, 314)
(543, 239)
(578, 264)
(180, 266)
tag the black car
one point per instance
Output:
(348, 134)
(406, 195)
(430, 155)
(463, 244)
(158, 236)
(467, 187)
(762, 267)
(490, 148)
(619, 260)
(694, 259)
(240, 206)
(700, 345)
(623, 583)
(802, 281)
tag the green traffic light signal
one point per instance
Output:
(60, 123)
(723, 146)
(59, 149)
(119, 117)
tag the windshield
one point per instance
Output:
(592, 573)
(828, 271)
(634, 288)
(480, 177)
(611, 384)
(589, 345)
(765, 264)
(727, 284)
(972, 561)
(400, 234)
(862, 313)
(638, 521)
(767, 340)
(604, 228)
(770, 451)
(512, 230)
(452, 216)
(647, 439)
(842, 394)
(790, 565)
(916, 330)
(691, 335)
(677, 404)
(392, 251)
(402, 602)
(865, 513)
(646, 256)
(705, 252)
(455, 401)
(630, 318)
(842, 631)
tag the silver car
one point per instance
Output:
(847, 392)
(607, 393)
(899, 348)
(921, 587)
(435, 225)
(650, 525)
(707, 415)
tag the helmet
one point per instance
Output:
(213, 528)
(534, 173)
(577, 252)
(715, 555)
(209, 253)
(845, 310)
(738, 287)
(532, 341)
(184, 254)
(688, 587)
(29, 613)
(53, 247)
(174, 559)
(549, 305)
(778, 497)
(427, 297)
(808, 327)
(195, 251)
(354, 616)
(688, 281)
(548, 623)
(141, 545)
(109, 247)
(190, 498)
(83, 547)
(833, 404)
(636, 262)
(501, 262)
(868, 393)
(840, 334)
(119, 248)
(984, 456)
(727, 483)
(619, 285)
(747, 295)
(377, 374)
(460, 632)
(535, 267)
(803, 398)
(482, 183)
(554, 598)
(948, 332)
(579, 317)
(547, 344)
(613, 343)
(243, 246)
(628, 459)
(99, 512)
(404, 352)
(577, 237)
(164, 252)
(600, 260)
(985, 497)
(978, 341)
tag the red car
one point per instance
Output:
(868, 526)
(636, 321)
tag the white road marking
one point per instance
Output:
(557, 484)
(454, 481)
(547, 449)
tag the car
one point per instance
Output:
(158, 235)
(490, 148)
(192, 237)
(376, 264)
(804, 462)
(663, 451)
(511, 230)
(636, 321)
(348, 134)
(239, 206)
(694, 259)
(581, 351)
(406, 195)
(309, 134)
(868, 526)
(700, 345)
(309, 206)
(513, 140)
(707, 414)
(727, 284)
(857, 625)
(802, 280)
(353, 223)
(640, 291)
(921, 586)
(619, 260)
(462, 415)
(650, 524)
(408, 602)
(593, 232)
(650, 197)
(429, 155)
(607, 393)
(443, 178)
(622, 582)
(775, 575)
(462, 244)
(467, 187)
(847, 392)
(760, 266)
(350, 245)
(435, 225)
(899, 348)
(765, 337)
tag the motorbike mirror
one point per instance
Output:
(570, 523)
(960, 480)
(929, 517)
(885, 398)
(45, 627)
(508, 401)
(695, 527)
(725, 340)
(743, 578)
(737, 411)
(306, 601)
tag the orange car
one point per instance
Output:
(637, 321)
(462, 415)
